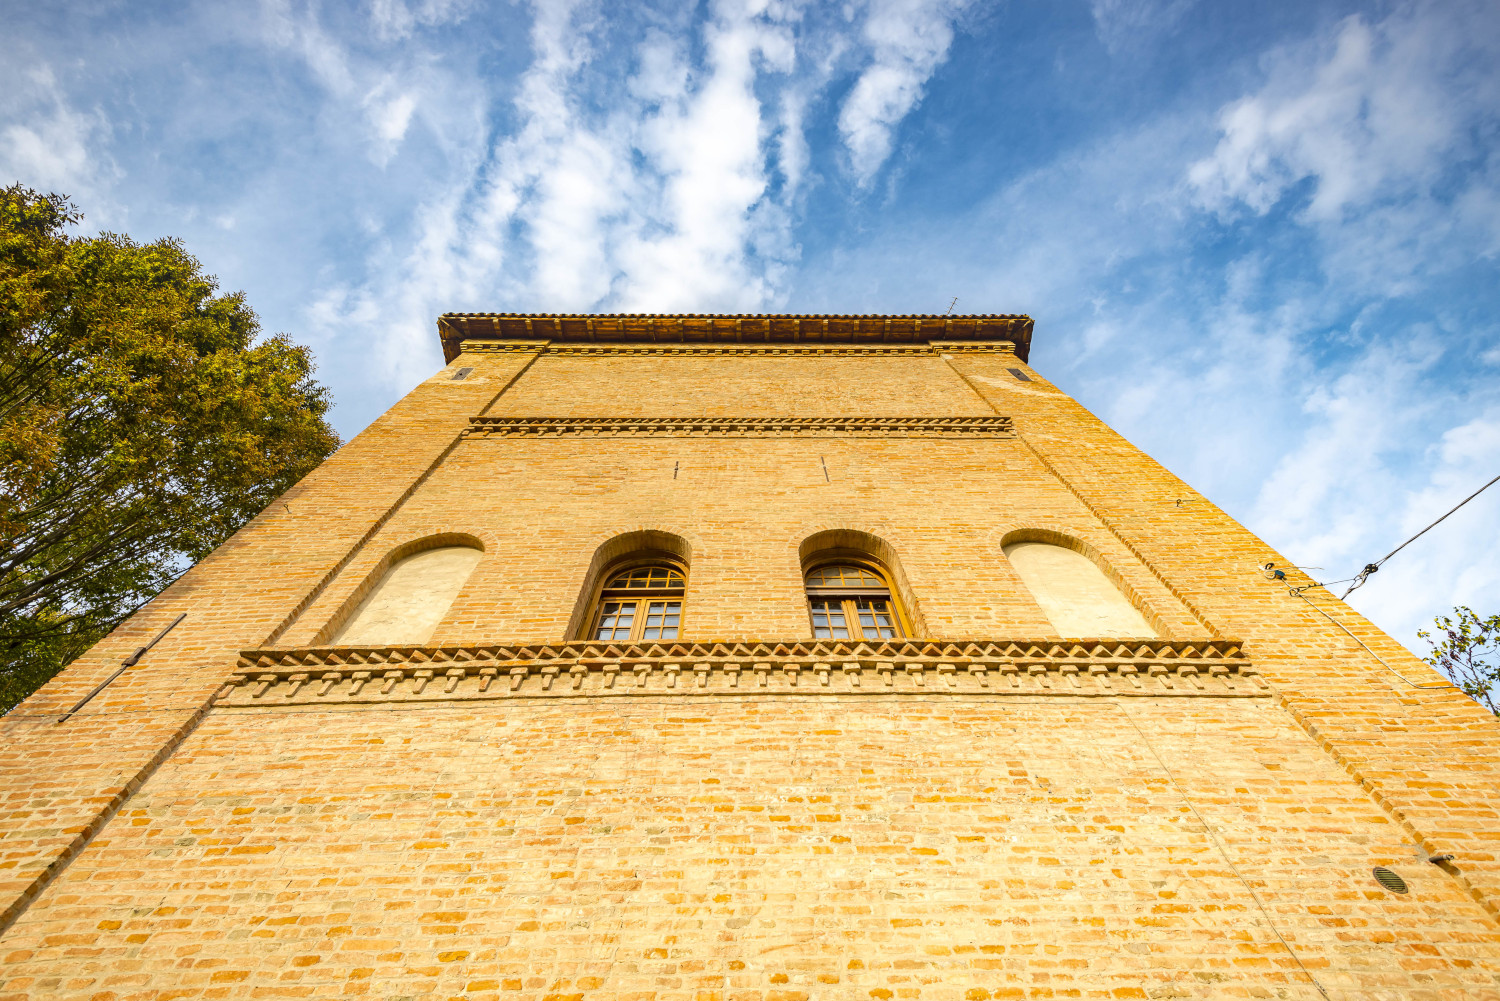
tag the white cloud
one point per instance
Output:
(1379, 125)
(1348, 436)
(390, 115)
(1119, 23)
(707, 146)
(792, 154)
(395, 19)
(656, 194)
(906, 40)
(302, 33)
(377, 86)
(1452, 564)
(50, 145)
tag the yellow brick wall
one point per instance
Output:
(745, 506)
(797, 848)
(738, 386)
(747, 846)
(58, 782)
(1428, 754)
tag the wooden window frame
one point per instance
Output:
(849, 596)
(641, 598)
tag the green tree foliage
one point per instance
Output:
(1469, 654)
(142, 422)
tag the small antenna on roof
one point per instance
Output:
(951, 305)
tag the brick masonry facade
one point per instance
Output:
(984, 811)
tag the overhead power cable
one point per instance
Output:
(1370, 568)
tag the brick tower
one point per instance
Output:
(747, 657)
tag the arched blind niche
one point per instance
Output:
(1077, 597)
(411, 598)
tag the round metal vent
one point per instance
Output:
(1390, 880)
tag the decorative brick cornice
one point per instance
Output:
(760, 329)
(1076, 668)
(742, 427)
(757, 350)
(971, 348)
(506, 347)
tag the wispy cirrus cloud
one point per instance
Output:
(47, 140)
(680, 191)
(395, 20)
(905, 40)
(649, 157)
(1387, 127)
(377, 80)
(1121, 24)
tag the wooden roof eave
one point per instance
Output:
(783, 328)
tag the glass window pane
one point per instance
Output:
(642, 578)
(876, 620)
(615, 620)
(828, 619)
(661, 620)
(844, 575)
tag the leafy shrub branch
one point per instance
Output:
(1468, 654)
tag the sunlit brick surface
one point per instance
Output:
(750, 849)
(920, 840)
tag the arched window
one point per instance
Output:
(411, 598)
(640, 603)
(849, 600)
(1077, 597)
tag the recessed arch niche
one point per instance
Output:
(413, 593)
(1078, 597)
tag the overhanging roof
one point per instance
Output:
(746, 328)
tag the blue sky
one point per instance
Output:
(1259, 238)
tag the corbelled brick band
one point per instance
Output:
(983, 810)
